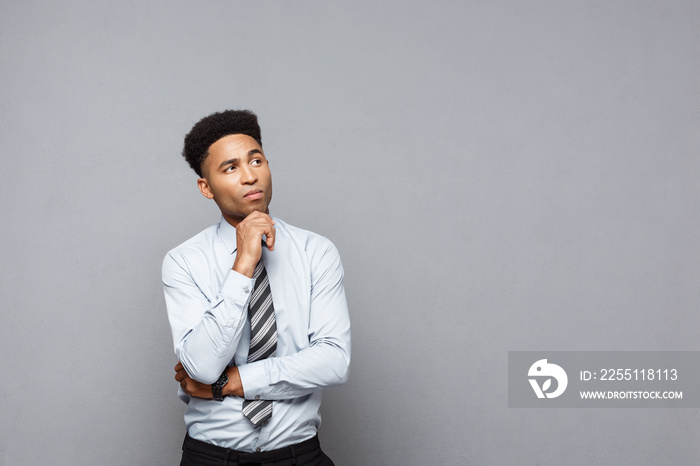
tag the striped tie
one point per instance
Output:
(263, 339)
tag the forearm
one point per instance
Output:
(323, 364)
(206, 331)
(234, 387)
(197, 389)
(325, 360)
(208, 348)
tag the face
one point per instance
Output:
(237, 176)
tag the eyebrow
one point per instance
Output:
(233, 161)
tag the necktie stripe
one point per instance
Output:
(262, 321)
(251, 408)
(264, 414)
(261, 333)
(267, 350)
(261, 311)
(263, 338)
(271, 339)
(259, 288)
(258, 269)
(257, 411)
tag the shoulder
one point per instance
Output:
(307, 240)
(196, 246)
(319, 251)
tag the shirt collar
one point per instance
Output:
(227, 234)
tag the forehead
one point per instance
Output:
(233, 146)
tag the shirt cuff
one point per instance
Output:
(254, 380)
(237, 287)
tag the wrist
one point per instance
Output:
(244, 267)
(234, 387)
(217, 388)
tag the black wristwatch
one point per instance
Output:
(218, 386)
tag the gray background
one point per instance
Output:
(497, 175)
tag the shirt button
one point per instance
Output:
(257, 397)
(246, 289)
(257, 450)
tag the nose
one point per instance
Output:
(248, 175)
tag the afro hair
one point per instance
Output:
(211, 128)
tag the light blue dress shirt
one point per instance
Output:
(207, 305)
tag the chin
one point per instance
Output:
(264, 209)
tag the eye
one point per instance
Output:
(256, 162)
(230, 168)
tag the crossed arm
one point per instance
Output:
(206, 344)
(191, 387)
(249, 234)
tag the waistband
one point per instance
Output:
(243, 457)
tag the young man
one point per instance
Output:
(257, 311)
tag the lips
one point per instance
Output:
(253, 194)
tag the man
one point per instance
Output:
(253, 392)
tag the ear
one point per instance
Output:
(203, 186)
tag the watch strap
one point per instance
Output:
(218, 386)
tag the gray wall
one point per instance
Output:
(497, 175)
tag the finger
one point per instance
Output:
(259, 215)
(182, 373)
(270, 238)
(178, 366)
(255, 217)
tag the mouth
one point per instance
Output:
(253, 195)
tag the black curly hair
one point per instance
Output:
(211, 128)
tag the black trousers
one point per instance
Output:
(306, 453)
